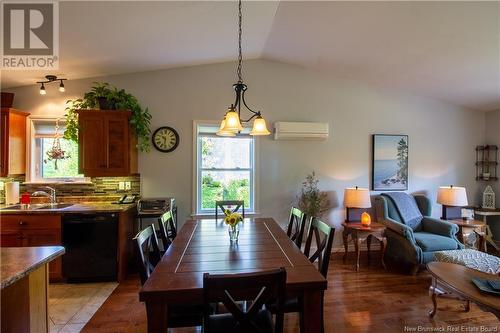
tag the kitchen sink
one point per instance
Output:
(39, 206)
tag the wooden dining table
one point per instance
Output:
(203, 245)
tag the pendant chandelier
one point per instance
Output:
(231, 123)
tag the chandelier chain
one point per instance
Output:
(240, 57)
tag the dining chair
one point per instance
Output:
(148, 255)
(232, 205)
(296, 226)
(168, 232)
(259, 288)
(147, 252)
(323, 237)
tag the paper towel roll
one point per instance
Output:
(12, 193)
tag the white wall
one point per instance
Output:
(442, 137)
(493, 138)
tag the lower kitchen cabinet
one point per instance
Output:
(33, 230)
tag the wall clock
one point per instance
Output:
(165, 139)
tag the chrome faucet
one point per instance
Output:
(51, 195)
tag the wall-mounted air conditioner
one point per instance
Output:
(300, 131)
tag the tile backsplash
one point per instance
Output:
(101, 186)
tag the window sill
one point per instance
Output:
(212, 215)
(58, 182)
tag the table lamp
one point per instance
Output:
(451, 196)
(357, 198)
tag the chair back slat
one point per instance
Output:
(232, 205)
(259, 288)
(147, 252)
(296, 226)
(323, 236)
(168, 232)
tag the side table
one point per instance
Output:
(360, 233)
(466, 227)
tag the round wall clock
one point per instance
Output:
(165, 139)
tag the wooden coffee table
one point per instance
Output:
(359, 234)
(457, 279)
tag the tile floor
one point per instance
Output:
(72, 305)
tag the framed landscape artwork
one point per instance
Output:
(390, 162)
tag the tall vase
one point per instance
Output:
(233, 233)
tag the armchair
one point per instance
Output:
(414, 242)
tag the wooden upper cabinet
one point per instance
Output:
(107, 144)
(12, 142)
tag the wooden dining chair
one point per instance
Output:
(168, 232)
(259, 288)
(296, 226)
(323, 237)
(148, 255)
(232, 205)
(147, 252)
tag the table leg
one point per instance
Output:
(432, 312)
(384, 246)
(157, 317)
(368, 243)
(312, 309)
(345, 236)
(357, 245)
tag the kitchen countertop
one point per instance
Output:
(79, 207)
(18, 262)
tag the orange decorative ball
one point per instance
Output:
(366, 220)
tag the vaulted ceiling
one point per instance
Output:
(445, 50)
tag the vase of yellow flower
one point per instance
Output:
(232, 220)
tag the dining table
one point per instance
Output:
(203, 245)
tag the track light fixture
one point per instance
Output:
(50, 79)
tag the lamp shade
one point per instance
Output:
(259, 127)
(222, 131)
(452, 196)
(232, 122)
(357, 198)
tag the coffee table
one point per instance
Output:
(457, 279)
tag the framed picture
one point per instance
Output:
(390, 162)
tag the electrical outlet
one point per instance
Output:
(121, 186)
(2, 186)
(127, 186)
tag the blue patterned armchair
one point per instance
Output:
(412, 235)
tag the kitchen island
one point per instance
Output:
(24, 287)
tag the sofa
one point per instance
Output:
(412, 234)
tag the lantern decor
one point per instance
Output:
(56, 153)
(488, 198)
(366, 219)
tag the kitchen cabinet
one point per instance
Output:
(107, 144)
(12, 142)
(23, 230)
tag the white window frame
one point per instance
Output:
(254, 175)
(31, 155)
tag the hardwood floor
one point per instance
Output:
(371, 300)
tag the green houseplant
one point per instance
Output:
(104, 96)
(312, 201)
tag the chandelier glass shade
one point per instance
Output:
(231, 124)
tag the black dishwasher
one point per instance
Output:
(91, 247)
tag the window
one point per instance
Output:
(224, 169)
(42, 167)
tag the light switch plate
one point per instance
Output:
(121, 186)
(127, 186)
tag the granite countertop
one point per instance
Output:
(79, 207)
(18, 262)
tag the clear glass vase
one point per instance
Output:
(233, 233)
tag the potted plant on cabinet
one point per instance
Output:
(106, 97)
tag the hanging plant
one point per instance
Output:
(56, 153)
(104, 96)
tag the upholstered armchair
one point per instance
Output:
(412, 239)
